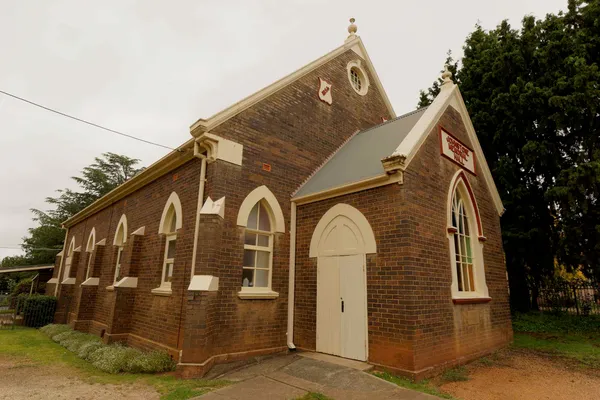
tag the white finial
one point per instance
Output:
(446, 75)
(352, 28)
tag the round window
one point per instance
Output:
(355, 79)
(358, 78)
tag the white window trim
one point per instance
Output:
(89, 264)
(481, 290)
(67, 272)
(164, 228)
(118, 264)
(91, 245)
(364, 78)
(123, 223)
(165, 287)
(120, 246)
(268, 248)
(176, 203)
(258, 194)
(69, 261)
(260, 292)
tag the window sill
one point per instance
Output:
(68, 281)
(110, 288)
(162, 291)
(263, 295)
(471, 300)
(91, 282)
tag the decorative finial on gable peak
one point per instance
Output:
(446, 75)
(352, 28)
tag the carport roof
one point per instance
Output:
(360, 158)
(23, 268)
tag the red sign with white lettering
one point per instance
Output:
(456, 151)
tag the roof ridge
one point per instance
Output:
(223, 115)
(408, 114)
(345, 142)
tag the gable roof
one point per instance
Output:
(353, 43)
(360, 157)
(357, 165)
(184, 153)
(449, 95)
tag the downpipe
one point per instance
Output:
(292, 279)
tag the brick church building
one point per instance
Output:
(306, 216)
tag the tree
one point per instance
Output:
(105, 174)
(426, 97)
(533, 96)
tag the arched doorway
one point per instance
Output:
(340, 242)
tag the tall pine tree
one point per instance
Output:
(533, 95)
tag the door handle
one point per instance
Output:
(342, 305)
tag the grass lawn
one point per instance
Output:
(572, 337)
(37, 347)
(314, 396)
(562, 337)
(424, 386)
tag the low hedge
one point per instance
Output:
(114, 358)
(38, 310)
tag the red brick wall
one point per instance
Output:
(388, 299)
(294, 132)
(413, 323)
(152, 317)
(445, 331)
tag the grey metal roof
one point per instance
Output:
(360, 158)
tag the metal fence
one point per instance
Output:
(577, 298)
(3, 301)
(29, 311)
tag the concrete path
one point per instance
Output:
(292, 376)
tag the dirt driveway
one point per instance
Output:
(525, 375)
(26, 380)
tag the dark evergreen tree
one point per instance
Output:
(533, 95)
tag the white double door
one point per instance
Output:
(342, 306)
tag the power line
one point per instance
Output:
(35, 249)
(86, 122)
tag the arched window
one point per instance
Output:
(261, 216)
(119, 242)
(466, 241)
(170, 222)
(170, 247)
(463, 249)
(258, 249)
(89, 248)
(69, 259)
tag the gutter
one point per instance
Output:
(368, 183)
(292, 279)
(161, 167)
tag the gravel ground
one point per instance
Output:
(527, 376)
(30, 381)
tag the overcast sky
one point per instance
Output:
(152, 68)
